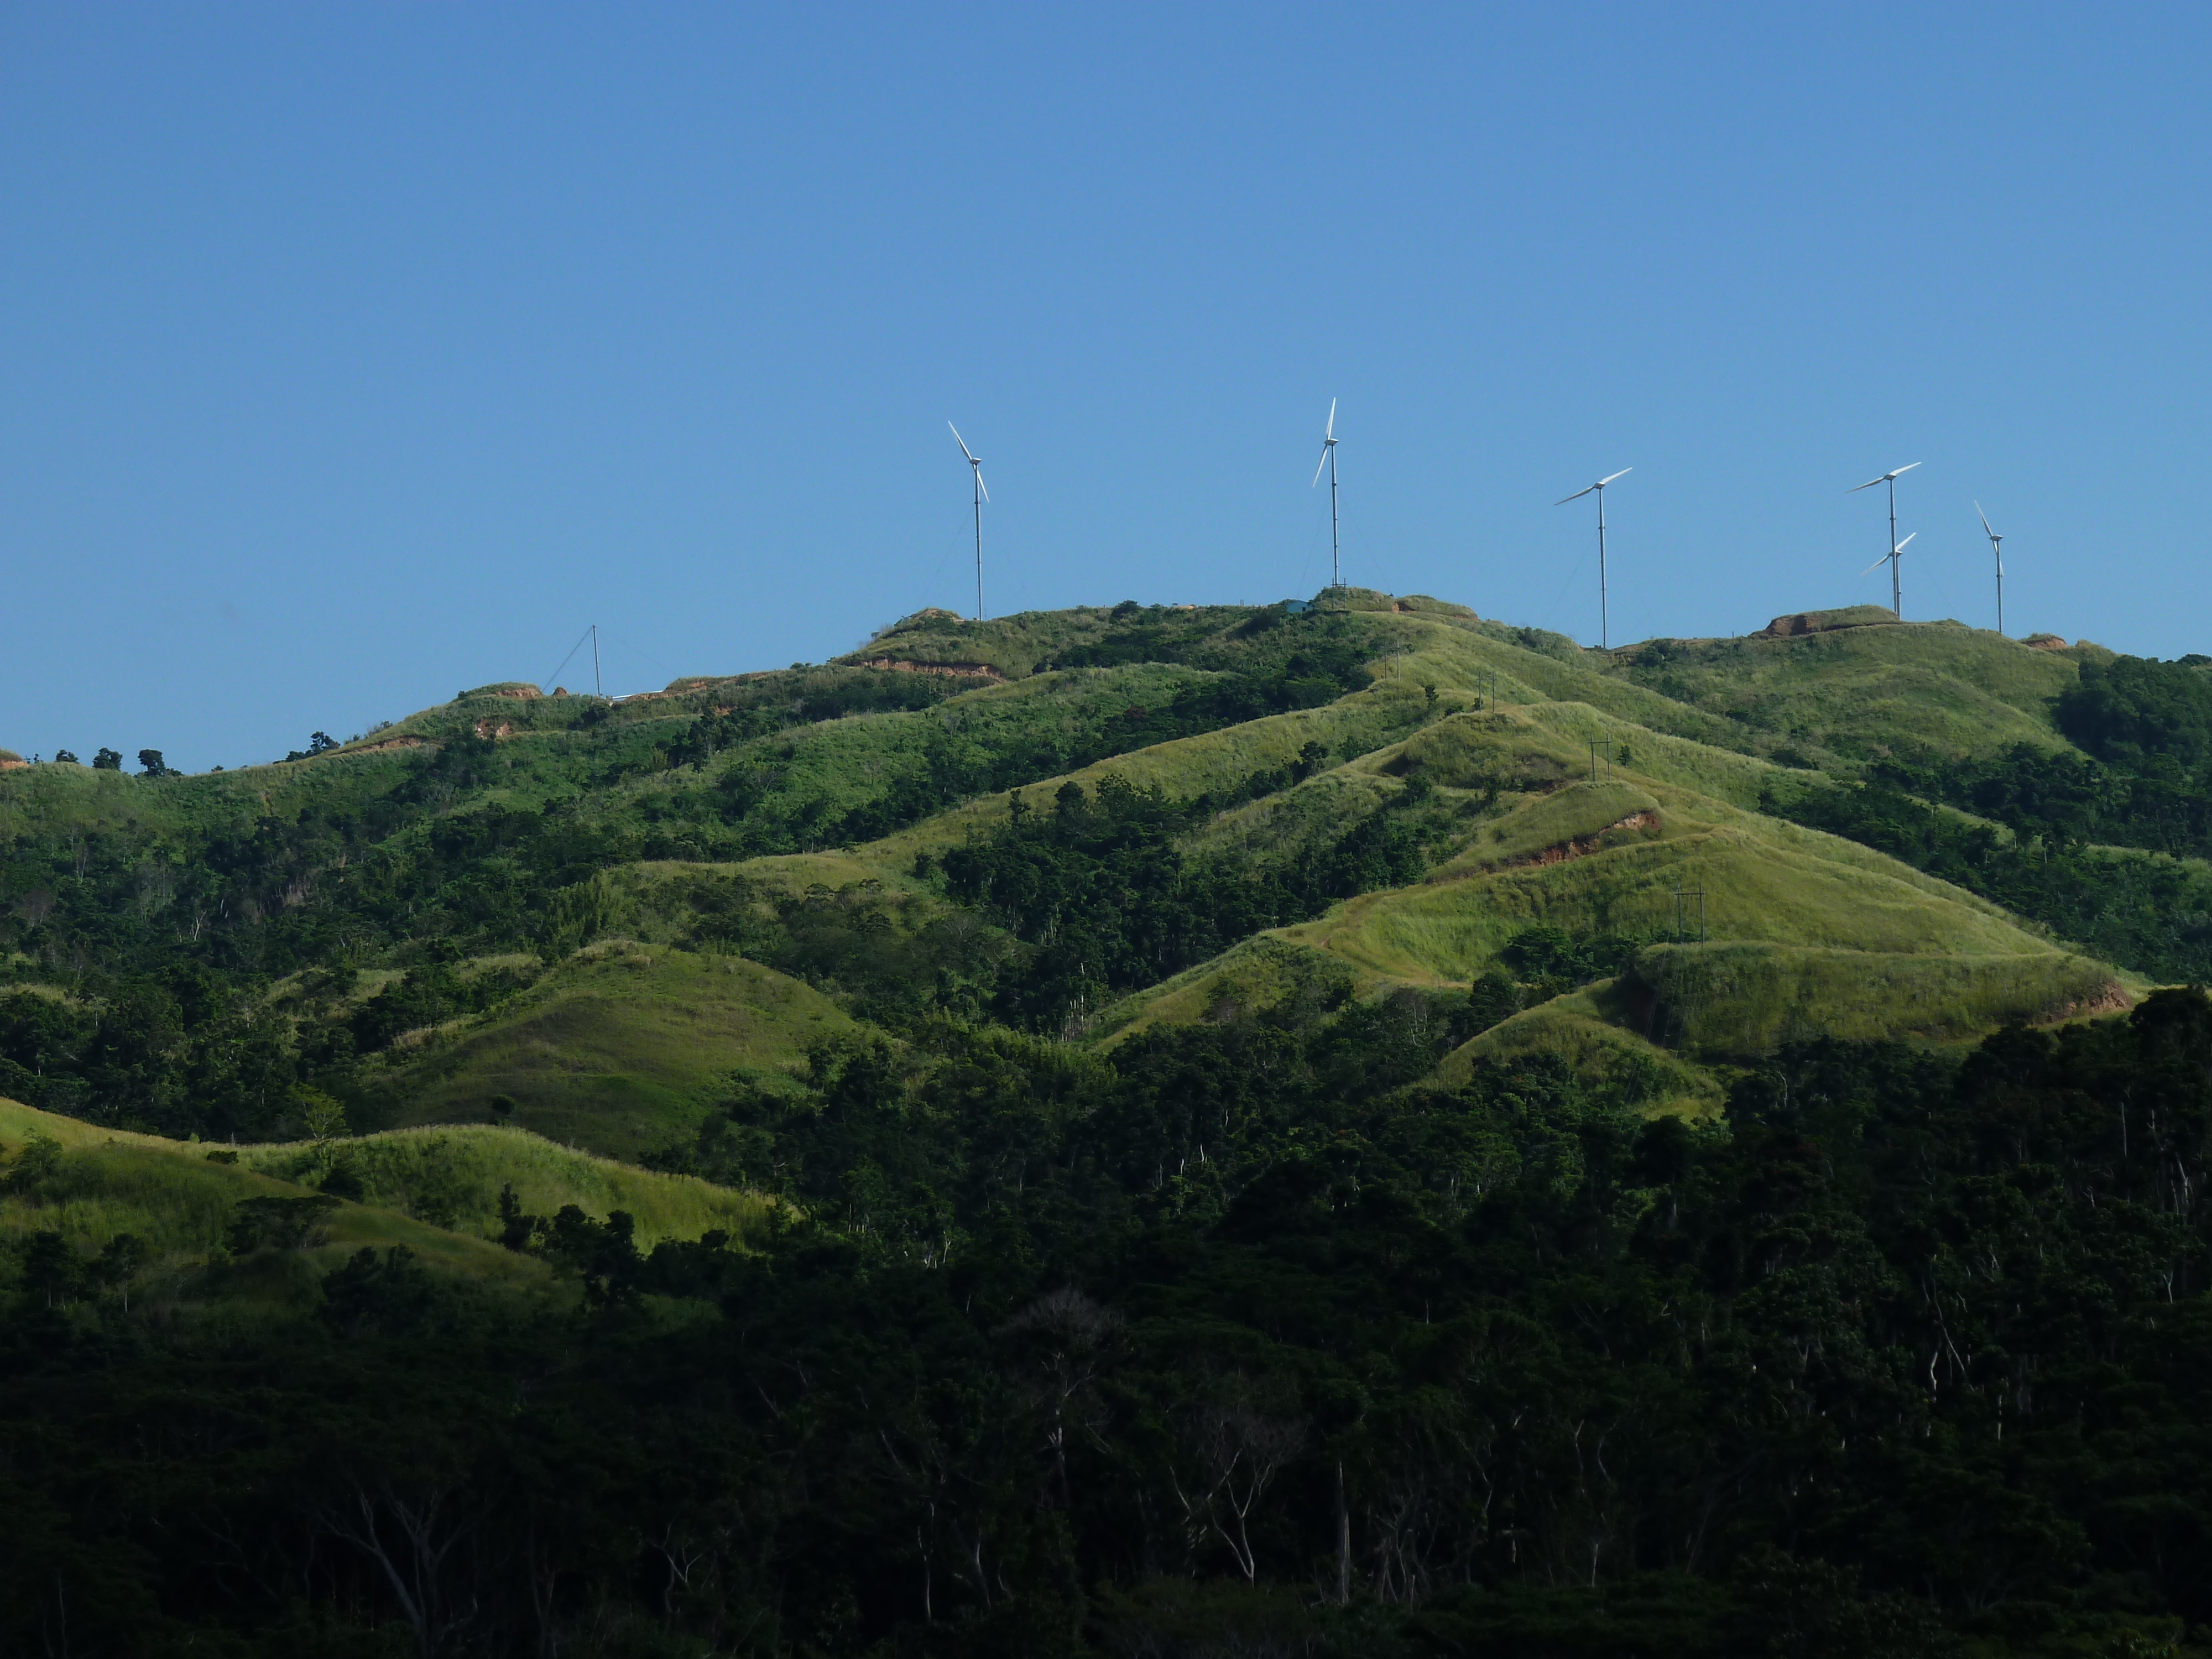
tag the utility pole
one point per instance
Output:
(598, 687)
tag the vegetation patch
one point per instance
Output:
(1740, 999)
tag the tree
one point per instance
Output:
(63, 757)
(150, 764)
(325, 1118)
(282, 1223)
(51, 1268)
(107, 761)
(120, 1261)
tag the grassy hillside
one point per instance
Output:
(431, 919)
(620, 1047)
(435, 1193)
(1844, 697)
(451, 1178)
(179, 1204)
(1585, 1030)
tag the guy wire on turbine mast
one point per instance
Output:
(1604, 621)
(976, 467)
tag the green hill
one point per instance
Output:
(434, 1191)
(180, 1206)
(622, 1047)
(432, 918)
(1061, 1135)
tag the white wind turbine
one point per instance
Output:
(1604, 621)
(1997, 551)
(1890, 559)
(982, 496)
(1328, 459)
(1896, 547)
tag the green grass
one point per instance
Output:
(1843, 697)
(1574, 815)
(1212, 763)
(620, 1049)
(1015, 646)
(1605, 856)
(1584, 1028)
(451, 1178)
(1308, 816)
(1755, 887)
(1748, 999)
(179, 1204)
(1253, 977)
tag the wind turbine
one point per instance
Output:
(1328, 459)
(1604, 623)
(1896, 595)
(1998, 551)
(982, 496)
(1891, 558)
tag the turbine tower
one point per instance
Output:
(1896, 594)
(1604, 621)
(1328, 460)
(1997, 551)
(982, 496)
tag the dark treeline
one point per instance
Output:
(1232, 1344)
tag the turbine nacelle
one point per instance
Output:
(1600, 484)
(1891, 477)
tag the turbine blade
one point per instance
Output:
(1320, 464)
(1330, 431)
(1576, 496)
(980, 484)
(1906, 468)
(1623, 473)
(1899, 547)
(962, 442)
(1984, 518)
(1869, 485)
(1879, 562)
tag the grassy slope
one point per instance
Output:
(1743, 998)
(620, 1048)
(1764, 882)
(1017, 645)
(1585, 1029)
(171, 1197)
(1853, 694)
(454, 1176)
(1216, 761)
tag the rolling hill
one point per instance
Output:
(1060, 1134)
(686, 885)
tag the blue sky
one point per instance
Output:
(350, 354)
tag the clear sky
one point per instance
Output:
(350, 354)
